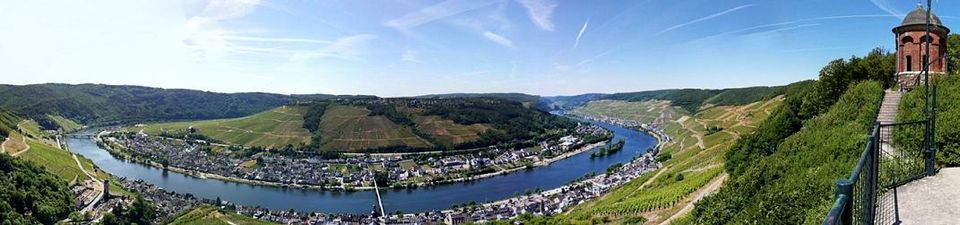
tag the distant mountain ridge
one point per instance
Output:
(100, 104)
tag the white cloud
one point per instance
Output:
(580, 34)
(541, 12)
(705, 18)
(229, 9)
(883, 5)
(410, 56)
(346, 48)
(436, 12)
(278, 40)
(498, 39)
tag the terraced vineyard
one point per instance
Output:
(449, 133)
(66, 124)
(277, 127)
(352, 128)
(694, 158)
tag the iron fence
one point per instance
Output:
(869, 194)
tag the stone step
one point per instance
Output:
(888, 113)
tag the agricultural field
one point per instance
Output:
(644, 112)
(57, 161)
(448, 132)
(695, 166)
(351, 128)
(208, 214)
(30, 128)
(66, 124)
(274, 128)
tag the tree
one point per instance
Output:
(953, 52)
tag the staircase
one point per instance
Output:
(888, 115)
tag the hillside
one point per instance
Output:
(376, 125)
(402, 124)
(353, 128)
(517, 97)
(277, 127)
(208, 214)
(568, 102)
(692, 99)
(98, 104)
(34, 175)
(692, 161)
(795, 183)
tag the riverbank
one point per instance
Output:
(661, 141)
(541, 163)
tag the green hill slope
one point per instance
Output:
(692, 164)
(795, 183)
(352, 128)
(277, 127)
(98, 104)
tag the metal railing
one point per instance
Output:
(869, 194)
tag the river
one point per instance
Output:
(437, 197)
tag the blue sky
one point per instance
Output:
(415, 47)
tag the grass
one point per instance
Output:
(408, 164)
(31, 128)
(449, 132)
(208, 214)
(644, 112)
(61, 163)
(665, 194)
(14, 143)
(350, 128)
(273, 128)
(66, 124)
(57, 161)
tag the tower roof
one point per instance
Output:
(919, 16)
(916, 20)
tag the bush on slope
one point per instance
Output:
(794, 185)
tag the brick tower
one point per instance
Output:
(911, 40)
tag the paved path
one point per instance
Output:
(3, 147)
(932, 200)
(708, 189)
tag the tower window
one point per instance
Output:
(909, 63)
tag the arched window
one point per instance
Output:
(925, 39)
(906, 40)
(909, 63)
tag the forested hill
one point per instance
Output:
(517, 97)
(692, 99)
(97, 104)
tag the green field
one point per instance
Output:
(350, 128)
(644, 112)
(274, 128)
(31, 128)
(208, 214)
(664, 193)
(66, 124)
(57, 161)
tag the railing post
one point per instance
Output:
(845, 188)
(870, 185)
(931, 136)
